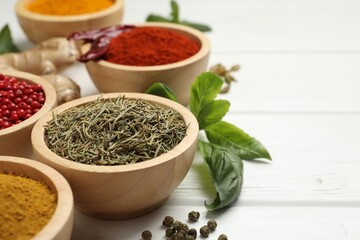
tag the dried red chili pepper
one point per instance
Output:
(98, 49)
(100, 40)
(92, 35)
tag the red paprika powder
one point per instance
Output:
(150, 46)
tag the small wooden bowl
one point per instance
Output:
(40, 27)
(125, 191)
(61, 223)
(110, 77)
(15, 140)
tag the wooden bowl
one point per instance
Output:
(61, 223)
(15, 140)
(40, 27)
(110, 77)
(125, 191)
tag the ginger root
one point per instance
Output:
(66, 89)
(46, 60)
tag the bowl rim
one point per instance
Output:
(39, 146)
(202, 38)
(64, 211)
(21, 10)
(50, 99)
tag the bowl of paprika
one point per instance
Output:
(24, 98)
(36, 201)
(44, 19)
(146, 53)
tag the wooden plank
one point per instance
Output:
(246, 4)
(307, 192)
(260, 26)
(310, 160)
(297, 93)
(280, 82)
(299, 77)
(257, 26)
(237, 223)
(293, 82)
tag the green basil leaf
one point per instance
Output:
(226, 170)
(204, 90)
(6, 41)
(157, 18)
(212, 113)
(160, 89)
(174, 11)
(198, 26)
(226, 134)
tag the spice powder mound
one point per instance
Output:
(68, 7)
(116, 131)
(150, 46)
(26, 206)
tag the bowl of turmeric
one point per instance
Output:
(142, 54)
(24, 98)
(36, 201)
(44, 19)
(123, 154)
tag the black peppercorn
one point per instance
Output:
(178, 237)
(146, 235)
(181, 233)
(184, 226)
(168, 221)
(193, 216)
(204, 231)
(192, 232)
(169, 233)
(212, 224)
(188, 237)
(177, 225)
(223, 237)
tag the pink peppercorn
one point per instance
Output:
(19, 100)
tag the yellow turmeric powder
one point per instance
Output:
(68, 7)
(26, 206)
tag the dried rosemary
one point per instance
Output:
(114, 131)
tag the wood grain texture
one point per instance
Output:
(297, 92)
(293, 82)
(39, 27)
(278, 222)
(15, 141)
(124, 191)
(60, 225)
(109, 77)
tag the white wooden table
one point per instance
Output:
(298, 92)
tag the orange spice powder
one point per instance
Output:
(26, 206)
(68, 7)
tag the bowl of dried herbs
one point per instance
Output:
(122, 153)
